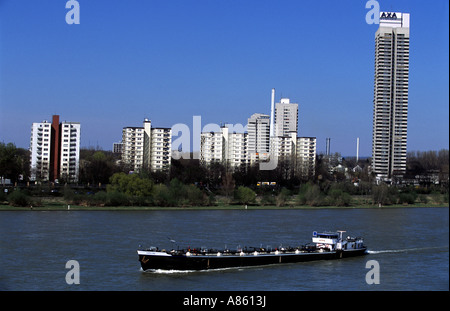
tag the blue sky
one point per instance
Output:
(170, 60)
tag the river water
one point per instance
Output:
(410, 245)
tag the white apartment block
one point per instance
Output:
(237, 150)
(161, 145)
(146, 147)
(212, 147)
(296, 154)
(229, 149)
(55, 151)
(286, 117)
(306, 157)
(258, 128)
(283, 147)
(40, 144)
(70, 134)
(133, 147)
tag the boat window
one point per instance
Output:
(327, 236)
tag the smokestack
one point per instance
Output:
(357, 149)
(272, 106)
(327, 152)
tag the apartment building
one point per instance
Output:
(70, 151)
(161, 146)
(133, 147)
(286, 117)
(236, 151)
(306, 157)
(296, 155)
(225, 147)
(55, 150)
(40, 146)
(283, 147)
(212, 148)
(146, 147)
(258, 128)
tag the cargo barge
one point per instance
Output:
(324, 246)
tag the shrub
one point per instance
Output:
(423, 198)
(195, 196)
(19, 198)
(69, 194)
(98, 199)
(161, 195)
(244, 195)
(178, 193)
(310, 194)
(116, 198)
(2, 196)
(283, 197)
(383, 194)
(337, 197)
(407, 197)
(131, 184)
(267, 199)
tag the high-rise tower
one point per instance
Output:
(258, 133)
(390, 103)
(286, 118)
(55, 151)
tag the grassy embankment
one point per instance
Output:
(58, 204)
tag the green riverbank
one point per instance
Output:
(66, 207)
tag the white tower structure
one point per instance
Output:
(390, 103)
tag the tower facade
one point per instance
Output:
(225, 147)
(147, 147)
(55, 150)
(258, 127)
(390, 103)
(286, 118)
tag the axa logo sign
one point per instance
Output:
(374, 15)
(388, 15)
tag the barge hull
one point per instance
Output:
(201, 262)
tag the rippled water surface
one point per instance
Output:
(411, 246)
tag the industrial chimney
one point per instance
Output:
(357, 149)
(328, 143)
(272, 107)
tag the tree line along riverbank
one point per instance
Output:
(132, 191)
